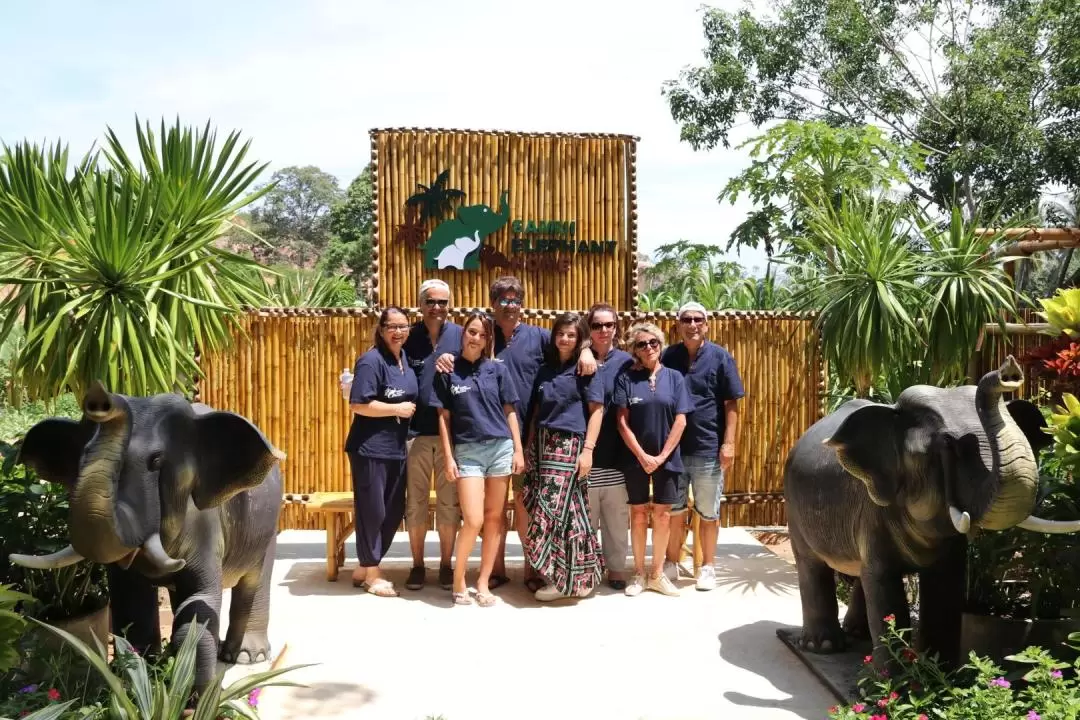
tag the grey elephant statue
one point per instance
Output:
(877, 491)
(172, 494)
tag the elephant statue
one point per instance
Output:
(170, 494)
(455, 243)
(877, 491)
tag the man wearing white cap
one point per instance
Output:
(708, 443)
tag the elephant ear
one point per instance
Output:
(875, 443)
(1031, 422)
(53, 448)
(232, 456)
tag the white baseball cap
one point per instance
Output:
(690, 306)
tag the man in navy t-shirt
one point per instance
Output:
(428, 338)
(708, 444)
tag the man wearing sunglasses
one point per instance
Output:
(708, 443)
(428, 338)
(521, 347)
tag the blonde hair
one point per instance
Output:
(649, 329)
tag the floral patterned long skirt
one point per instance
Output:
(561, 544)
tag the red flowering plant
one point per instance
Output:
(916, 687)
(1058, 361)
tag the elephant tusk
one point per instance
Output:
(1037, 524)
(960, 520)
(156, 554)
(55, 561)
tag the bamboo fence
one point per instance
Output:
(1023, 336)
(589, 179)
(284, 377)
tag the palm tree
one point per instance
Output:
(435, 201)
(115, 272)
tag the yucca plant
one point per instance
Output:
(867, 291)
(139, 693)
(300, 287)
(114, 269)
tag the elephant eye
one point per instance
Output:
(153, 462)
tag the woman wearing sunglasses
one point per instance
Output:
(382, 400)
(652, 404)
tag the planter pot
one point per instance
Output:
(84, 628)
(995, 637)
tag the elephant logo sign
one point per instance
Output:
(456, 243)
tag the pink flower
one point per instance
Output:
(882, 716)
(922, 716)
(1032, 715)
(253, 697)
(868, 659)
(53, 694)
(858, 707)
(1056, 674)
(890, 618)
(1000, 682)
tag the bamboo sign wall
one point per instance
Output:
(285, 380)
(556, 210)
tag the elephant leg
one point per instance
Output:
(821, 630)
(133, 605)
(883, 590)
(941, 598)
(855, 618)
(247, 640)
(198, 601)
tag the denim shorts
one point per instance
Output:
(707, 479)
(488, 458)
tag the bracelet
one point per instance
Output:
(590, 447)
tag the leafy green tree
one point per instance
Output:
(115, 272)
(294, 215)
(352, 223)
(988, 88)
(795, 164)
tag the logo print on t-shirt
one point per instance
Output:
(458, 389)
(636, 400)
(393, 393)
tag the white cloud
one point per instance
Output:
(306, 81)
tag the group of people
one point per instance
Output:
(593, 437)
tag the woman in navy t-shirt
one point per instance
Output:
(481, 442)
(566, 414)
(652, 406)
(382, 399)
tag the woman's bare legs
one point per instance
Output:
(494, 504)
(471, 498)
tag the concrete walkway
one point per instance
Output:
(702, 655)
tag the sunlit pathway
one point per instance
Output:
(702, 655)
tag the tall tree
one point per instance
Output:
(352, 224)
(294, 215)
(988, 88)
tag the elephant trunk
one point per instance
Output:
(1012, 459)
(94, 504)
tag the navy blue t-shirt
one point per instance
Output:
(377, 377)
(523, 355)
(561, 399)
(652, 413)
(712, 379)
(475, 393)
(610, 447)
(422, 357)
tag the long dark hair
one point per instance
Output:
(604, 307)
(489, 328)
(551, 350)
(383, 317)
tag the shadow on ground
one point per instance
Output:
(742, 647)
(746, 569)
(324, 700)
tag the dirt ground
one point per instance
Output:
(776, 541)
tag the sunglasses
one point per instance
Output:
(696, 320)
(507, 302)
(603, 326)
(642, 344)
(436, 303)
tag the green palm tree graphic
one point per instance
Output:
(435, 201)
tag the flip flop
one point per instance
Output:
(496, 581)
(381, 588)
(485, 599)
(462, 598)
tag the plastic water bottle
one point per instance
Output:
(345, 381)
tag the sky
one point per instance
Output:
(306, 81)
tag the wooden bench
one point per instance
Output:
(338, 509)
